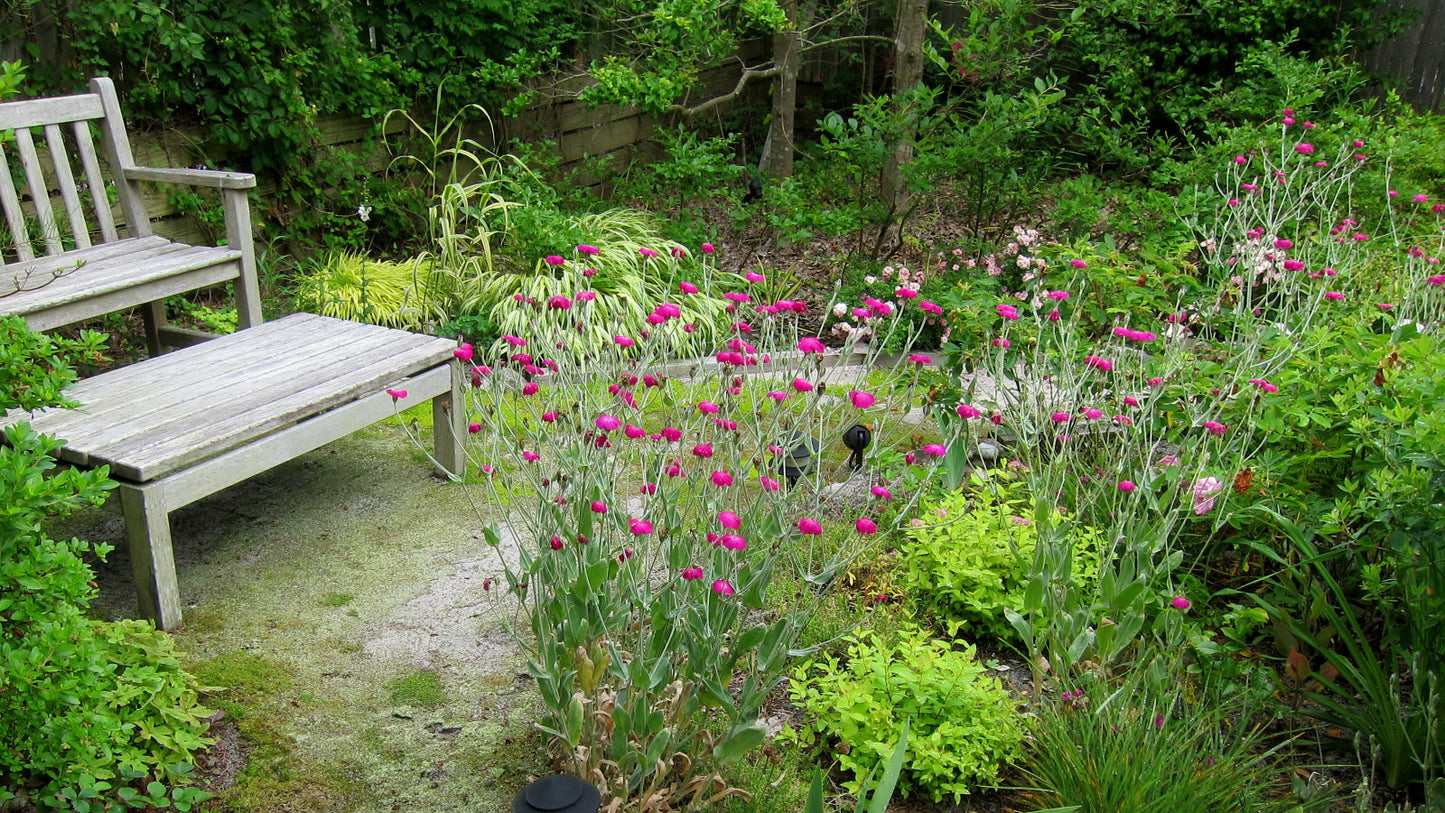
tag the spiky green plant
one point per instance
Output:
(353, 286)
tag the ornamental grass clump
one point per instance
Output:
(650, 500)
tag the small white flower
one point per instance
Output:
(870, 279)
(364, 212)
(840, 309)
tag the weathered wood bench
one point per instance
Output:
(69, 257)
(184, 425)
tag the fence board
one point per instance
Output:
(1414, 58)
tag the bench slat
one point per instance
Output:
(204, 441)
(39, 198)
(14, 215)
(65, 179)
(225, 385)
(56, 110)
(152, 418)
(100, 201)
(113, 270)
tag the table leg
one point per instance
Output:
(148, 529)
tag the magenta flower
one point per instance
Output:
(1154, 382)
(549, 417)
(1004, 343)
(463, 352)
(1438, 279)
(529, 388)
(906, 293)
(802, 386)
(674, 469)
(929, 307)
(810, 345)
(866, 526)
(559, 303)
(599, 507)
(553, 259)
(647, 252)
(728, 519)
(1092, 414)
(586, 249)
(733, 542)
(634, 432)
(1126, 486)
(722, 478)
(531, 457)
(860, 399)
(607, 423)
(707, 406)
(881, 493)
(555, 543)
(935, 449)
(1180, 603)
(692, 573)
(702, 450)
(586, 296)
(1335, 295)
(623, 341)
(1099, 363)
(1058, 295)
(1215, 427)
(1060, 417)
(918, 358)
(722, 587)
(473, 428)
(670, 434)
(679, 252)
(966, 411)
(708, 248)
(1078, 264)
(1304, 148)
(809, 526)
(648, 489)
(1007, 311)
(639, 527)
(753, 276)
(687, 287)
(1205, 491)
(769, 484)
(396, 395)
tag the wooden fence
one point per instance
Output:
(1415, 57)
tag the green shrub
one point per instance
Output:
(91, 713)
(963, 722)
(966, 558)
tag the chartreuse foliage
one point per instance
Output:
(93, 715)
(964, 725)
(966, 558)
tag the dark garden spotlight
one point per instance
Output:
(558, 793)
(800, 457)
(857, 437)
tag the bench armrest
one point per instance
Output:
(194, 177)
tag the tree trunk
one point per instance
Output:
(910, 28)
(777, 158)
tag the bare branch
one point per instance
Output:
(748, 75)
(859, 38)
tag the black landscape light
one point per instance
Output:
(857, 437)
(800, 457)
(558, 793)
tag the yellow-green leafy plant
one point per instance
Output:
(353, 286)
(965, 727)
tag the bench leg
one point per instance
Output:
(153, 314)
(148, 528)
(449, 431)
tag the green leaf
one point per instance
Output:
(739, 740)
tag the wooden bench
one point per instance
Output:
(184, 425)
(69, 257)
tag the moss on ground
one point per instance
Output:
(299, 590)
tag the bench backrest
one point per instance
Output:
(51, 204)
